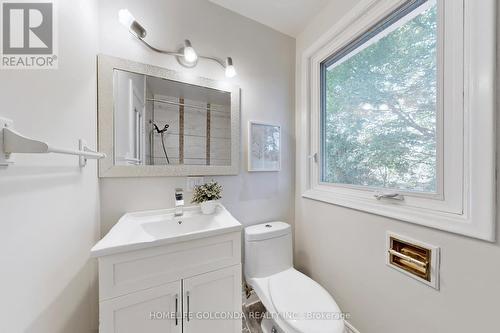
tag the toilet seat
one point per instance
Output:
(303, 304)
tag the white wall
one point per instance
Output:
(344, 250)
(265, 61)
(48, 206)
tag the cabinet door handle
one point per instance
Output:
(187, 297)
(176, 309)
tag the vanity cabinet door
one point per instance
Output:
(211, 298)
(151, 310)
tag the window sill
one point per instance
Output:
(479, 227)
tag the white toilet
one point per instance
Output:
(295, 302)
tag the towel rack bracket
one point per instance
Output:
(12, 142)
(82, 161)
(5, 158)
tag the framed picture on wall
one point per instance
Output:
(264, 147)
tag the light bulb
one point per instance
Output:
(189, 53)
(125, 18)
(230, 70)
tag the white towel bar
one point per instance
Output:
(14, 143)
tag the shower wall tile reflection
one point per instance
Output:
(194, 129)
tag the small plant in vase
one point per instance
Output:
(207, 195)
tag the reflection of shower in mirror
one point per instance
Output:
(162, 134)
(164, 122)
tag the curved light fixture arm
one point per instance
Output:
(186, 56)
(178, 54)
(152, 48)
(217, 60)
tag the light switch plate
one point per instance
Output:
(5, 159)
(192, 182)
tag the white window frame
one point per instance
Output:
(465, 200)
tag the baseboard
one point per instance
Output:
(350, 328)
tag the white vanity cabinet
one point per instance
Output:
(143, 311)
(153, 289)
(216, 294)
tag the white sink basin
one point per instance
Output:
(157, 227)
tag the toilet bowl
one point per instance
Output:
(295, 303)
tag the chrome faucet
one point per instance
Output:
(179, 202)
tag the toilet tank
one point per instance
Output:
(268, 249)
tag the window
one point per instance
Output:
(400, 105)
(379, 111)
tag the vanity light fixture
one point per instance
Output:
(128, 20)
(186, 56)
(189, 53)
(230, 70)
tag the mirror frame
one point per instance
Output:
(105, 116)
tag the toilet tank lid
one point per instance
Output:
(266, 231)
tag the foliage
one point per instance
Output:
(265, 142)
(379, 126)
(207, 192)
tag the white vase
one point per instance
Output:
(208, 207)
